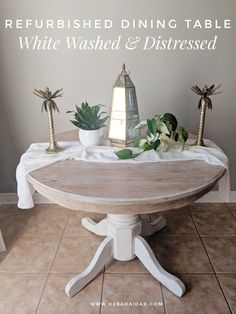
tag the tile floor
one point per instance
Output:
(47, 245)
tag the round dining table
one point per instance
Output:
(124, 191)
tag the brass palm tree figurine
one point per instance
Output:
(49, 106)
(204, 103)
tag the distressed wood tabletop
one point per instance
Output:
(124, 188)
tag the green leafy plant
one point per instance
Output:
(161, 131)
(89, 117)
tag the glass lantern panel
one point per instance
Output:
(117, 129)
(131, 131)
(131, 100)
(117, 115)
(119, 99)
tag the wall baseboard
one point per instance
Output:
(211, 197)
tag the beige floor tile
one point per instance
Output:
(233, 213)
(2, 256)
(207, 206)
(179, 223)
(222, 252)
(55, 301)
(75, 253)
(231, 206)
(12, 220)
(133, 266)
(228, 284)
(30, 255)
(182, 255)
(20, 293)
(203, 296)
(46, 220)
(142, 291)
(214, 222)
(74, 226)
(14, 207)
(9, 241)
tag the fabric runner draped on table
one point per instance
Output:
(35, 158)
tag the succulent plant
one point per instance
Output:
(48, 97)
(89, 117)
(161, 131)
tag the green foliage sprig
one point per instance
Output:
(89, 117)
(161, 131)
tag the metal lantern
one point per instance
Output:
(124, 111)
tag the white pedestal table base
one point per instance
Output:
(124, 242)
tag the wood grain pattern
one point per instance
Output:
(125, 188)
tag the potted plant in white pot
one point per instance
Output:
(90, 120)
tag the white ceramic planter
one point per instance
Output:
(91, 137)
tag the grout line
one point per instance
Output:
(174, 273)
(52, 264)
(163, 300)
(16, 236)
(114, 273)
(225, 205)
(202, 242)
(219, 236)
(211, 264)
(162, 294)
(103, 279)
(230, 211)
(223, 293)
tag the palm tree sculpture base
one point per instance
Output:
(199, 143)
(53, 148)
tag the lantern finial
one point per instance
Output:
(123, 67)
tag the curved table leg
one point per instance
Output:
(146, 256)
(99, 228)
(103, 256)
(148, 228)
(2, 244)
(123, 243)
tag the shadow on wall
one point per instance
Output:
(7, 154)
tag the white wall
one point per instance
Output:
(162, 79)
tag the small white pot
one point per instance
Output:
(91, 137)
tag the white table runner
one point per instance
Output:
(35, 158)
